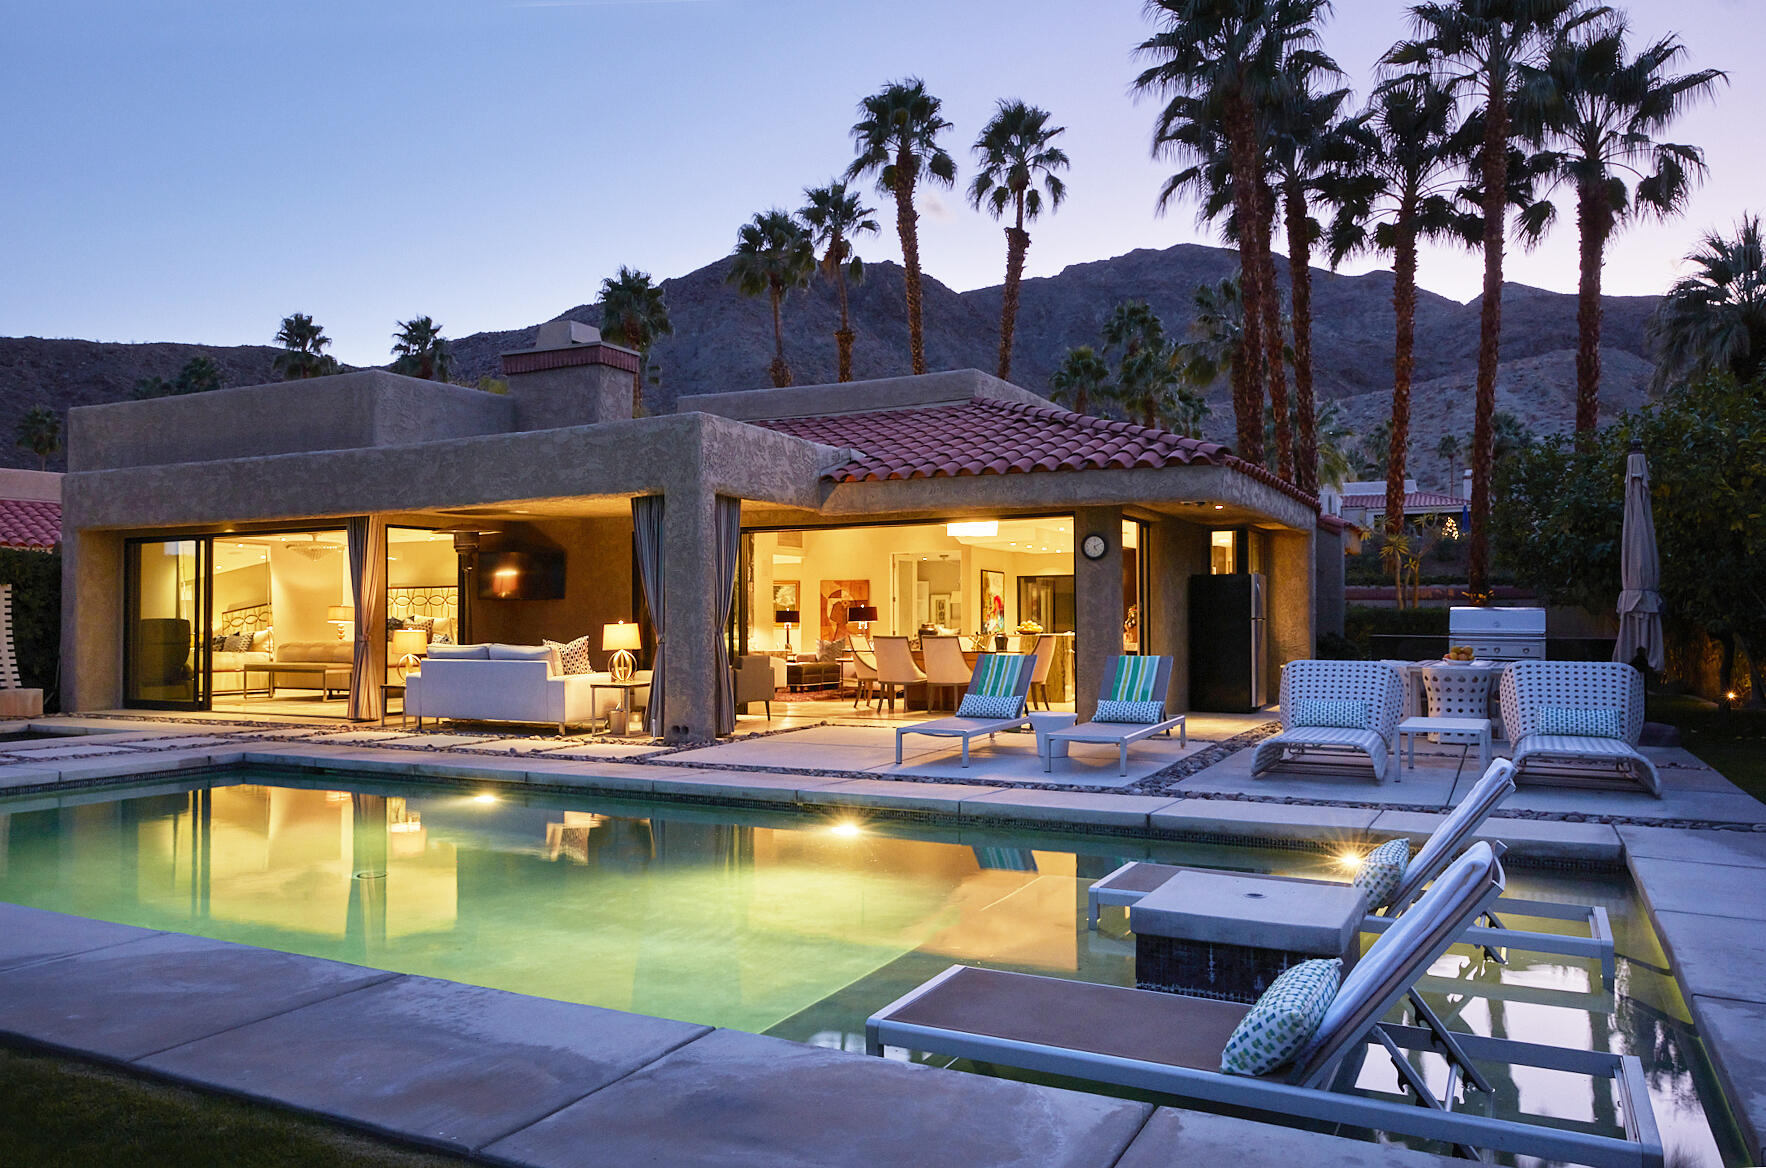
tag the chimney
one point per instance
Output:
(569, 378)
(1465, 484)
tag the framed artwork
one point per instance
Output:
(837, 597)
(785, 594)
(940, 609)
(993, 601)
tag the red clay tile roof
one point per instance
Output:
(1432, 500)
(29, 523)
(985, 436)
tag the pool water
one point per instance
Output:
(770, 922)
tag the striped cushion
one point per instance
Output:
(996, 675)
(976, 705)
(1134, 679)
(1140, 713)
(1380, 873)
(1283, 1019)
(1599, 722)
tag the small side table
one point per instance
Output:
(623, 711)
(1477, 729)
(1044, 725)
(389, 691)
(1224, 935)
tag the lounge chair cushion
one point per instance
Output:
(1283, 1019)
(976, 705)
(1139, 713)
(1597, 722)
(1344, 714)
(1381, 871)
(1134, 681)
(996, 675)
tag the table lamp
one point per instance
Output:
(862, 614)
(786, 617)
(343, 616)
(622, 638)
(407, 648)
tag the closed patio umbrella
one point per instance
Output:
(1640, 570)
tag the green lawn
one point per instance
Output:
(1733, 741)
(62, 1113)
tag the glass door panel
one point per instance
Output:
(165, 624)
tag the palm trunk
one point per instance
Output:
(1017, 243)
(1591, 219)
(638, 388)
(1247, 376)
(1300, 289)
(1495, 172)
(781, 371)
(1403, 366)
(907, 225)
(1274, 370)
(843, 337)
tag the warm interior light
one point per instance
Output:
(978, 529)
(505, 582)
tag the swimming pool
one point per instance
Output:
(767, 921)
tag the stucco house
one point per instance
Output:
(225, 547)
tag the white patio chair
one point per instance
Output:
(1378, 690)
(945, 667)
(1550, 709)
(895, 669)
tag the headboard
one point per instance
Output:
(246, 619)
(441, 600)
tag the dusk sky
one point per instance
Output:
(195, 171)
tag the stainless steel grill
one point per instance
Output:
(1499, 634)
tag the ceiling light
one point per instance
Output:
(979, 528)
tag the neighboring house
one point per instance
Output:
(203, 531)
(1364, 503)
(30, 509)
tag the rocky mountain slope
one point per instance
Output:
(723, 341)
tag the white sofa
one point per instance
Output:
(510, 683)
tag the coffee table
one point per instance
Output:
(1477, 729)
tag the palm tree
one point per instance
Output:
(1014, 150)
(1395, 188)
(1081, 376)
(1448, 450)
(835, 215)
(1335, 445)
(420, 350)
(1216, 332)
(773, 255)
(305, 342)
(1715, 318)
(634, 314)
(1304, 137)
(1479, 51)
(896, 136)
(1603, 110)
(39, 431)
(1217, 63)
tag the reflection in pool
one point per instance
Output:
(769, 922)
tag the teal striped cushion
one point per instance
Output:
(1134, 679)
(996, 675)
(1283, 1019)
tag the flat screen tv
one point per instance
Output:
(521, 575)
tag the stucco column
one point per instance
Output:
(91, 620)
(692, 629)
(1291, 601)
(1328, 583)
(1097, 602)
(1179, 551)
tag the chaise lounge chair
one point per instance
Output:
(1335, 708)
(1131, 706)
(997, 694)
(1134, 880)
(1582, 718)
(1172, 1043)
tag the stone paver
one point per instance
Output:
(1544, 838)
(128, 1000)
(1732, 1033)
(1264, 820)
(1745, 849)
(757, 786)
(904, 796)
(1713, 957)
(59, 751)
(29, 935)
(1727, 890)
(741, 1099)
(136, 763)
(1055, 808)
(1175, 1136)
(26, 776)
(436, 1061)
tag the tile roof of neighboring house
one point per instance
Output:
(1414, 501)
(29, 523)
(986, 436)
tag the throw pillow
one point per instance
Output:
(218, 643)
(263, 641)
(1142, 713)
(995, 676)
(830, 650)
(426, 623)
(1283, 1019)
(1598, 722)
(1134, 679)
(1344, 714)
(990, 706)
(238, 643)
(573, 655)
(1380, 873)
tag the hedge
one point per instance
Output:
(36, 618)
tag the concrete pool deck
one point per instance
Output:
(1697, 856)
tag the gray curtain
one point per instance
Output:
(647, 528)
(367, 538)
(727, 518)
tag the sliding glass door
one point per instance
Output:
(166, 620)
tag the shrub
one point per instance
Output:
(36, 617)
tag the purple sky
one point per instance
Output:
(195, 171)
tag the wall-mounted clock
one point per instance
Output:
(1094, 547)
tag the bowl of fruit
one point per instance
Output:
(1460, 653)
